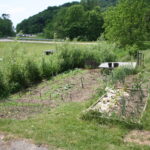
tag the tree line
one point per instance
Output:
(83, 21)
(125, 22)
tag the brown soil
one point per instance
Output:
(138, 137)
(68, 89)
(136, 103)
(130, 108)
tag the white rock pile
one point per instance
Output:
(110, 102)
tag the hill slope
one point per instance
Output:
(36, 23)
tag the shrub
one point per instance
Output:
(120, 73)
(50, 66)
(132, 50)
(46, 69)
(33, 73)
(92, 58)
(16, 78)
(3, 87)
(71, 58)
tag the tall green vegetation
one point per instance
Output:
(90, 4)
(75, 19)
(126, 23)
(3, 86)
(21, 70)
(94, 24)
(6, 28)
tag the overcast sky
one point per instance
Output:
(22, 9)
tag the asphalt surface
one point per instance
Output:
(47, 42)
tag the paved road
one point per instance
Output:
(48, 42)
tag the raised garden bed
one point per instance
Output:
(120, 104)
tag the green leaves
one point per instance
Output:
(6, 28)
(124, 23)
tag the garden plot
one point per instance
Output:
(122, 104)
(75, 86)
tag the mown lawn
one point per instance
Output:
(61, 127)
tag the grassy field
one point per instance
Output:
(25, 64)
(62, 126)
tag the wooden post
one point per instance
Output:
(82, 85)
(62, 98)
(40, 95)
(140, 58)
(50, 97)
(143, 60)
(70, 97)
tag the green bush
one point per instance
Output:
(120, 73)
(21, 71)
(77, 57)
(33, 73)
(16, 78)
(72, 58)
(3, 86)
(132, 50)
(46, 69)
(50, 66)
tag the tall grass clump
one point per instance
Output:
(16, 78)
(120, 73)
(23, 68)
(50, 66)
(33, 73)
(3, 86)
(107, 51)
(72, 57)
(81, 57)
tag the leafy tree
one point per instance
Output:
(5, 16)
(57, 26)
(6, 27)
(75, 21)
(37, 23)
(94, 24)
(107, 3)
(125, 23)
(90, 4)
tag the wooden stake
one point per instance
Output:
(70, 97)
(62, 98)
(40, 95)
(50, 97)
(82, 82)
